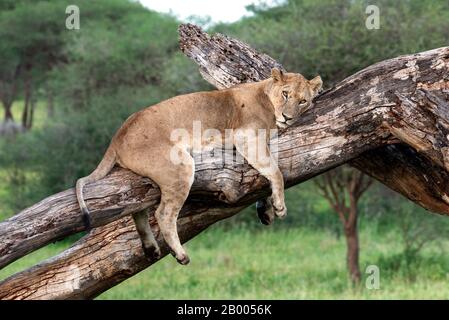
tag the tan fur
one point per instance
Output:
(143, 144)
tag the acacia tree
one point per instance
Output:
(9, 70)
(343, 187)
(9, 77)
(29, 49)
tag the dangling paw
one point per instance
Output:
(265, 212)
(280, 210)
(182, 258)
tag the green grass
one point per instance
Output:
(277, 263)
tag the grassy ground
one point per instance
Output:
(278, 263)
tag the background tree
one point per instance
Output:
(29, 57)
(10, 70)
(343, 187)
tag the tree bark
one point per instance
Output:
(351, 231)
(27, 102)
(352, 254)
(8, 114)
(401, 100)
(50, 103)
(32, 109)
(8, 90)
(9, 126)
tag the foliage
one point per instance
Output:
(124, 47)
(416, 231)
(329, 37)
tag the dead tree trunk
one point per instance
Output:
(390, 110)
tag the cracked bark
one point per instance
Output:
(390, 120)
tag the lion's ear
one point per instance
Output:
(316, 84)
(277, 75)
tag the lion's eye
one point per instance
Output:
(285, 94)
(303, 101)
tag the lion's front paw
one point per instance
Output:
(280, 211)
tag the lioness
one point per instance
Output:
(144, 145)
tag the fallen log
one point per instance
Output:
(390, 120)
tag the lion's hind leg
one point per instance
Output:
(174, 176)
(149, 244)
(175, 188)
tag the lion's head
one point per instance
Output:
(291, 95)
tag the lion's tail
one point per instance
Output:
(106, 164)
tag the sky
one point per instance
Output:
(219, 11)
